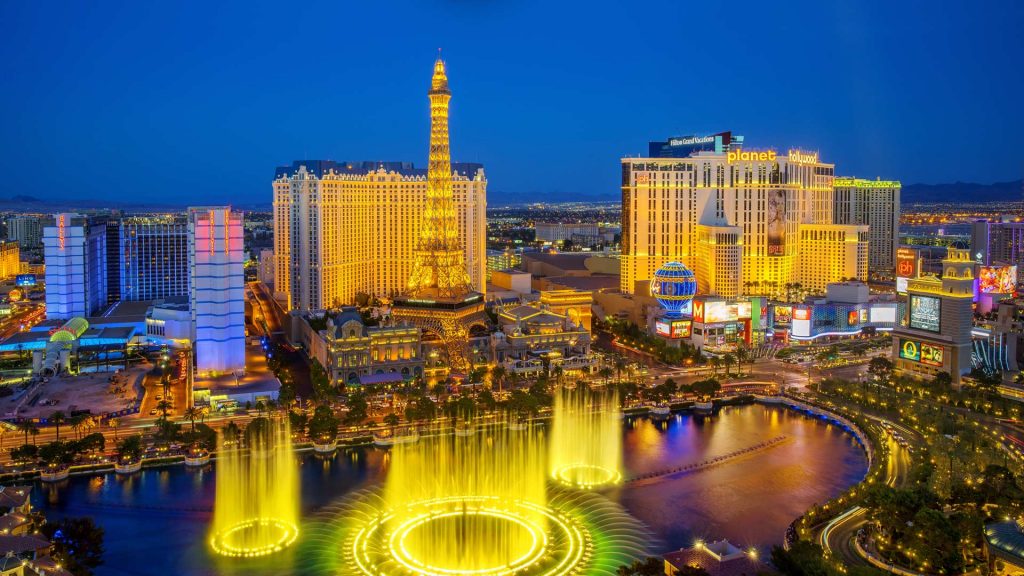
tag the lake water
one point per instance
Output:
(156, 521)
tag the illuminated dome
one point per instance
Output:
(674, 286)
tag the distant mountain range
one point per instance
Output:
(24, 203)
(963, 192)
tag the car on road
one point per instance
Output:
(152, 412)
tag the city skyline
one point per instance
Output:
(140, 93)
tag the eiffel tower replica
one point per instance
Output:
(439, 296)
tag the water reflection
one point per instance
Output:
(750, 499)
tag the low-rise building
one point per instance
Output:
(719, 558)
(533, 339)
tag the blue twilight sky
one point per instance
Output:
(198, 101)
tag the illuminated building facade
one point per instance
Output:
(10, 260)
(27, 231)
(217, 290)
(75, 252)
(535, 339)
(343, 228)
(998, 243)
(440, 296)
(766, 194)
(831, 252)
(720, 260)
(557, 232)
(350, 350)
(498, 260)
(876, 204)
(936, 333)
(153, 262)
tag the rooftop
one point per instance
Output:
(320, 167)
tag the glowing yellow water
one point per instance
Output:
(256, 507)
(468, 504)
(586, 437)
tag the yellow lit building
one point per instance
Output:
(830, 253)
(764, 193)
(341, 229)
(10, 260)
(719, 260)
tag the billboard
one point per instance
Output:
(997, 279)
(925, 313)
(801, 328)
(883, 314)
(928, 354)
(931, 355)
(906, 263)
(743, 309)
(910, 350)
(25, 280)
(713, 311)
(783, 315)
(776, 222)
(663, 328)
(853, 318)
(801, 314)
(674, 328)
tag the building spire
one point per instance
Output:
(439, 269)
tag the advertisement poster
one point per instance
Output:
(925, 312)
(997, 279)
(776, 222)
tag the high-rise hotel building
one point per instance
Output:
(343, 228)
(876, 204)
(216, 260)
(76, 266)
(153, 262)
(679, 205)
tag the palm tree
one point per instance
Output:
(729, 361)
(742, 355)
(26, 427)
(192, 413)
(57, 418)
(620, 364)
(498, 375)
(605, 373)
(114, 424)
(34, 432)
(163, 406)
(715, 363)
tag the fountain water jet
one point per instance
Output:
(586, 437)
(256, 507)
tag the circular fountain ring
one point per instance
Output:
(586, 476)
(224, 543)
(558, 549)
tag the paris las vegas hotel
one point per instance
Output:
(751, 220)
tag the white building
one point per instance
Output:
(76, 267)
(265, 271)
(876, 204)
(766, 194)
(217, 290)
(341, 229)
(562, 231)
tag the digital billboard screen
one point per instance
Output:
(853, 318)
(674, 328)
(776, 222)
(801, 314)
(931, 355)
(910, 350)
(663, 329)
(883, 314)
(783, 315)
(682, 328)
(925, 313)
(997, 279)
(743, 309)
(906, 263)
(25, 280)
(713, 312)
(928, 354)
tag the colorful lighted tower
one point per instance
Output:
(439, 296)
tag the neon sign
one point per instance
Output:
(800, 157)
(691, 140)
(752, 156)
(60, 231)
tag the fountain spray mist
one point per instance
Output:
(586, 437)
